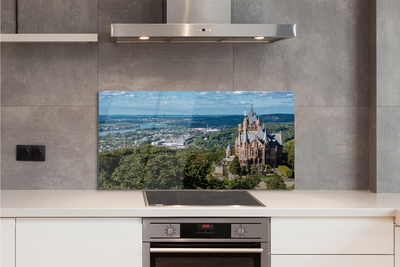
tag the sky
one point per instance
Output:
(194, 102)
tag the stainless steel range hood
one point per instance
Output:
(199, 21)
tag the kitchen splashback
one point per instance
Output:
(196, 140)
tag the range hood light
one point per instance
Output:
(144, 37)
(259, 37)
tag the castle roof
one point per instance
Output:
(229, 148)
(252, 117)
(274, 139)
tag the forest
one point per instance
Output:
(151, 167)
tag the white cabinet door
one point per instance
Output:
(78, 242)
(332, 235)
(331, 260)
(397, 246)
(7, 242)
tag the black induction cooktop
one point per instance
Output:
(199, 198)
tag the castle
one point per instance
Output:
(254, 146)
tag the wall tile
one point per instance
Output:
(165, 67)
(388, 56)
(372, 150)
(49, 74)
(388, 149)
(331, 148)
(8, 16)
(57, 16)
(126, 11)
(70, 137)
(326, 64)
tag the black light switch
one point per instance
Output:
(31, 153)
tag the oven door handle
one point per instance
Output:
(206, 250)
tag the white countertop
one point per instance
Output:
(102, 203)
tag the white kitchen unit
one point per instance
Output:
(78, 242)
(332, 236)
(7, 244)
(332, 260)
(397, 246)
(332, 241)
(102, 227)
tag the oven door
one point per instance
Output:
(165, 254)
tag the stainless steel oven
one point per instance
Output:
(206, 242)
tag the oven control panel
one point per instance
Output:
(205, 230)
(167, 230)
(240, 230)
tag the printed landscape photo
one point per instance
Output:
(196, 140)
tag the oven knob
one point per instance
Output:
(241, 231)
(170, 231)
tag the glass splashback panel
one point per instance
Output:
(196, 140)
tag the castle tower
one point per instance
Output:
(254, 146)
(228, 151)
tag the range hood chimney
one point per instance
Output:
(199, 21)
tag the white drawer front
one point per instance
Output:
(332, 261)
(7, 242)
(79, 242)
(332, 235)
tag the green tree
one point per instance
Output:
(149, 168)
(108, 162)
(243, 170)
(215, 183)
(276, 182)
(249, 182)
(195, 172)
(131, 171)
(105, 182)
(213, 155)
(144, 142)
(253, 168)
(290, 154)
(234, 167)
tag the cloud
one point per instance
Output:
(111, 93)
(203, 93)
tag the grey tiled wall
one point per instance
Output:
(49, 91)
(386, 150)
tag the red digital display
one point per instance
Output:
(205, 226)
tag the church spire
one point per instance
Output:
(228, 151)
(252, 117)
